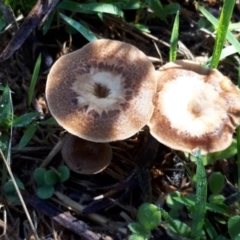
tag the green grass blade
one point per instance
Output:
(210, 229)
(174, 39)
(230, 37)
(27, 136)
(79, 27)
(34, 79)
(222, 29)
(47, 24)
(201, 199)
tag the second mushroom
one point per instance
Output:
(195, 107)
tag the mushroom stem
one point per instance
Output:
(85, 157)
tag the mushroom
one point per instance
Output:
(102, 92)
(195, 107)
(85, 157)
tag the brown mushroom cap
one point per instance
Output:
(85, 157)
(102, 92)
(195, 107)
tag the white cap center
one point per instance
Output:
(192, 106)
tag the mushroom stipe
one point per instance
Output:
(85, 157)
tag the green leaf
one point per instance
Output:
(216, 182)
(38, 175)
(27, 136)
(19, 183)
(51, 177)
(45, 191)
(34, 79)
(210, 229)
(6, 113)
(25, 119)
(149, 216)
(137, 228)
(3, 145)
(201, 199)
(220, 237)
(64, 173)
(171, 9)
(13, 198)
(83, 30)
(2, 23)
(233, 227)
(9, 188)
(138, 237)
(216, 198)
(189, 202)
(171, 202)
(174, 39)
(183, 229)
(141, 27)
(90, 8)
(4, 139)
(156, 6)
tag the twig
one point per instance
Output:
(63, 218)
(76, 206)
(36, 15)
(50, 156)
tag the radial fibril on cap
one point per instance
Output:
(85, 157)
(102, 92)
(195, 108)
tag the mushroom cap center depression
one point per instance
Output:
(192, 106)
(102, 92)
(99, 91)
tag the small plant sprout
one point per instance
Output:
(216, 182)
(46, 179)
(233, 227)
(149, 218)
(10, 190)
